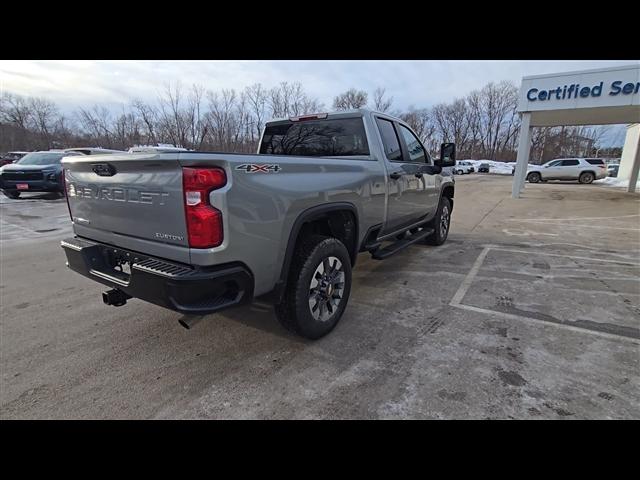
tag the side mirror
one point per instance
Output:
(447, 155)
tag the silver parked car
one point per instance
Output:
(585, 170)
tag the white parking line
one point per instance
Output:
(565, 219)
(468, 280)
(568, 256)
(466, 283)
(511, 316)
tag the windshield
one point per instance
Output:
(42, 158)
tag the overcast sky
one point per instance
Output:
(421, 83)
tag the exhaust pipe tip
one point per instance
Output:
(188, 321)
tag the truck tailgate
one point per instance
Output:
(132, 201)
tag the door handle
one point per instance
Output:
(418, 175)
(395, 175)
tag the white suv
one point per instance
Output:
(585, 170)
(463, 167)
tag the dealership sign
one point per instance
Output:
(575, 90)
(619, 86)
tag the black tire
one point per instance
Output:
(294, 311)
(440, 223)
(534, 177)
(10, 194)
(460, 172)
(586, 177)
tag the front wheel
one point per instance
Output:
(317, 288)
(460, 172)
(440, 223)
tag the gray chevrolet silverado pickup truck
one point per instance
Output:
(199, 232)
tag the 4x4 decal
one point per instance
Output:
(259, 167)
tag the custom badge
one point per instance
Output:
(259, 167)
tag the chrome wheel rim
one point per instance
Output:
(444, 221)
(326, 289)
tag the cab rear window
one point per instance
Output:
(316, 138)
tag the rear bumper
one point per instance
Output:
(172, 285)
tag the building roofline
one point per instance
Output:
(579, 72)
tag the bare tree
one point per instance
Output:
(194, 119)
(350, 99)
(148, 116)
(291, 100)
(256, 97)
(421, 122)
(173, 116)
(379, 102)
(221, 119)
(96, 124)
(17, 110)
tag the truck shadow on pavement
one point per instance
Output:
(261, 316)
(257, 316)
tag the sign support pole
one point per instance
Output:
(522, 160)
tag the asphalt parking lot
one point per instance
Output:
(530, 310)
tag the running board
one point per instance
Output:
(382, 253)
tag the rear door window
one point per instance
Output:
(338, 137)
(569, 163)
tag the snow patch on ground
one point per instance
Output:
(616, 182)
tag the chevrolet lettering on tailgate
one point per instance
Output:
(117, 194)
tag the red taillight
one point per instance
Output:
(204, 222)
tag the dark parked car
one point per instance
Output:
(483, 168)
(35, 172)
(612, 169)
(11, 157)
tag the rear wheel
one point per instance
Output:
(317, 288)
(440, 223)
(586, 177)
(460, 172)
(534, 177)
(10, 194)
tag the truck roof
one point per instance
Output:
(92, 150)
(147, 149)
(335, 113)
